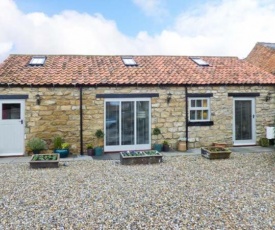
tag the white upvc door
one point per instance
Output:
(127, 124)
(244, 117)
(12, 127)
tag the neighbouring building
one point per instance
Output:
(263, 56)
(202, 99)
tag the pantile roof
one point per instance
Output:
(110, 70)
(263, 56)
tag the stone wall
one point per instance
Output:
(222, 114)
(169, 118)
(59, 113)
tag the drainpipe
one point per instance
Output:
(186, 118)
(81, 121)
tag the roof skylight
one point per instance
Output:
(199, 61)
(129, 61)
(38, 60)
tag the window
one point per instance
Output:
(199, 109)
(10, 111)
(37, 61)
(199, 61)
(129, 61)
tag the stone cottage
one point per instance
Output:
(202, 99)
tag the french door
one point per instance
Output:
(12, 127)
(244, 131)
(127, 124)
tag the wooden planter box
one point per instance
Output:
(140, 159)
(44, 163)
(215, 152)
(217, 144)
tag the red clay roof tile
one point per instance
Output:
(263, 56)
(110, 70)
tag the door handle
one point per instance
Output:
(21, 122)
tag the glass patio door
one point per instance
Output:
(244, 121)
(127, 124)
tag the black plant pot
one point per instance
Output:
(36, 151)
(165, 148)
(90, 152)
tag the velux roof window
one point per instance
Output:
(129, 61)
(37, 61)
(199, 61)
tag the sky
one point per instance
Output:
(135, 27)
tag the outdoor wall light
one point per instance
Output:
(38, 99)
(169, 97)
(268, 97)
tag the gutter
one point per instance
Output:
(81, 120)
(186, 117)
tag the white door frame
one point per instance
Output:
(251, 141)
(18, 131)
(127, 147)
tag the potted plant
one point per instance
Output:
(156, 132)
(57, 142)
(61, 147)
(182, 144)
(165, 146)
(65, 145)
(99, 148)
(36, 145)
(213, 152)
(90, 149)
(44, 161)
(264, 142)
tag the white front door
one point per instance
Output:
(244, 129)
(12, 127)
(127, 124)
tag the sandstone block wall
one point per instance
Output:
(59, 113)
(169, 118)
(222, 114)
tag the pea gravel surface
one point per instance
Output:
(180, 193)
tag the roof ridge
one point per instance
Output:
(125, 55)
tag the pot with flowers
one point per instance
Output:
(60, 147)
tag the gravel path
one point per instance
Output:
(180, 193)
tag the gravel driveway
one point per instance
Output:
(180, 193)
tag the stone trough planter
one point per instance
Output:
(140, 157)
(215, 152)
(44, 161)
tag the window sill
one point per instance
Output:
(200, 123)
